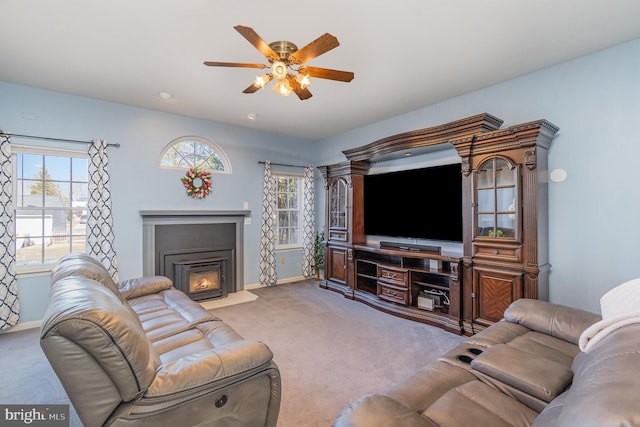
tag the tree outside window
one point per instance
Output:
(50, 197)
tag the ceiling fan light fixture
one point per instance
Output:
(283, 87)
(279, 70)
(304, 80)
(261, 81)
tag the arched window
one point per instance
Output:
(191, 152)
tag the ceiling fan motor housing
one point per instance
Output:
(284, 49)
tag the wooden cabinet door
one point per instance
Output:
(338, 221)
(493, 291)
(337, 265)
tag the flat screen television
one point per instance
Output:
(416, 204)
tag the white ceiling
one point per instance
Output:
(405, 54)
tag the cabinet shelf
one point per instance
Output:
(431, 285)
(367, 284)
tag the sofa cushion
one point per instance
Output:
(558, 321)
(476, 404)
(75, 264)
(426, 386)
(169, 312)
(546, 347)
(376, 410)
(140, 286)
(199, 369)
(499, 333)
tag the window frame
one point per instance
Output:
(299, 209)
(43, 267)
(224, 159)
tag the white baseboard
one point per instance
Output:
(279, 282)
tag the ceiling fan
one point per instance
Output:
(284, 57)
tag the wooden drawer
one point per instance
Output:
(338, 235)
(393, 276)
(393, 293)
(505, 253)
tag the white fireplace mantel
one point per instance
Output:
(152, 218)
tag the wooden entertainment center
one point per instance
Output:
(393, 279)
(504, 249)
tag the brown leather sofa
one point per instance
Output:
(141, 353)
(526, 370)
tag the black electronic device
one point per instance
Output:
(410, 247)
(421, 203)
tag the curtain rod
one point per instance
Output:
(281, 164)
(75, 141)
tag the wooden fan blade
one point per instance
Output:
(321, 45)
(303, 93)
(257, 41)
(234, 64)
(325, 73)
(254, 87)
(251, 89)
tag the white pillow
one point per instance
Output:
(621, 300)
(619, 307)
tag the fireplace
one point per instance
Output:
(178, 243)
(202, 278)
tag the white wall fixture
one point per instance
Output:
(558, 175)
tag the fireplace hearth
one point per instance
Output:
(201, 279)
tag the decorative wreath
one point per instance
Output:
(197, 182)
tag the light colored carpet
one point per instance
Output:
(330, 350)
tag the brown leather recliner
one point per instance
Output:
(141, 353)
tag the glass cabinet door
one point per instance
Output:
(338, 204)
(496, 199)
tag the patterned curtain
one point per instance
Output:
(308, 222)
(100, 237)
(268, 273)
(9, 304)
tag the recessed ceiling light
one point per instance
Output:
(407, 154)
(252, 116)
(165, 95)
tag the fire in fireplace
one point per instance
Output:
(201, 278)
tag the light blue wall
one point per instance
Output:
(595, 100)
(136, 181)
(594, 214)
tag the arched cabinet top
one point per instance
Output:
(425, 137)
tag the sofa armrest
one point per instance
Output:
(542, 378)
(376, 410)
(209, 367)
(134, 288)
(566, 323)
